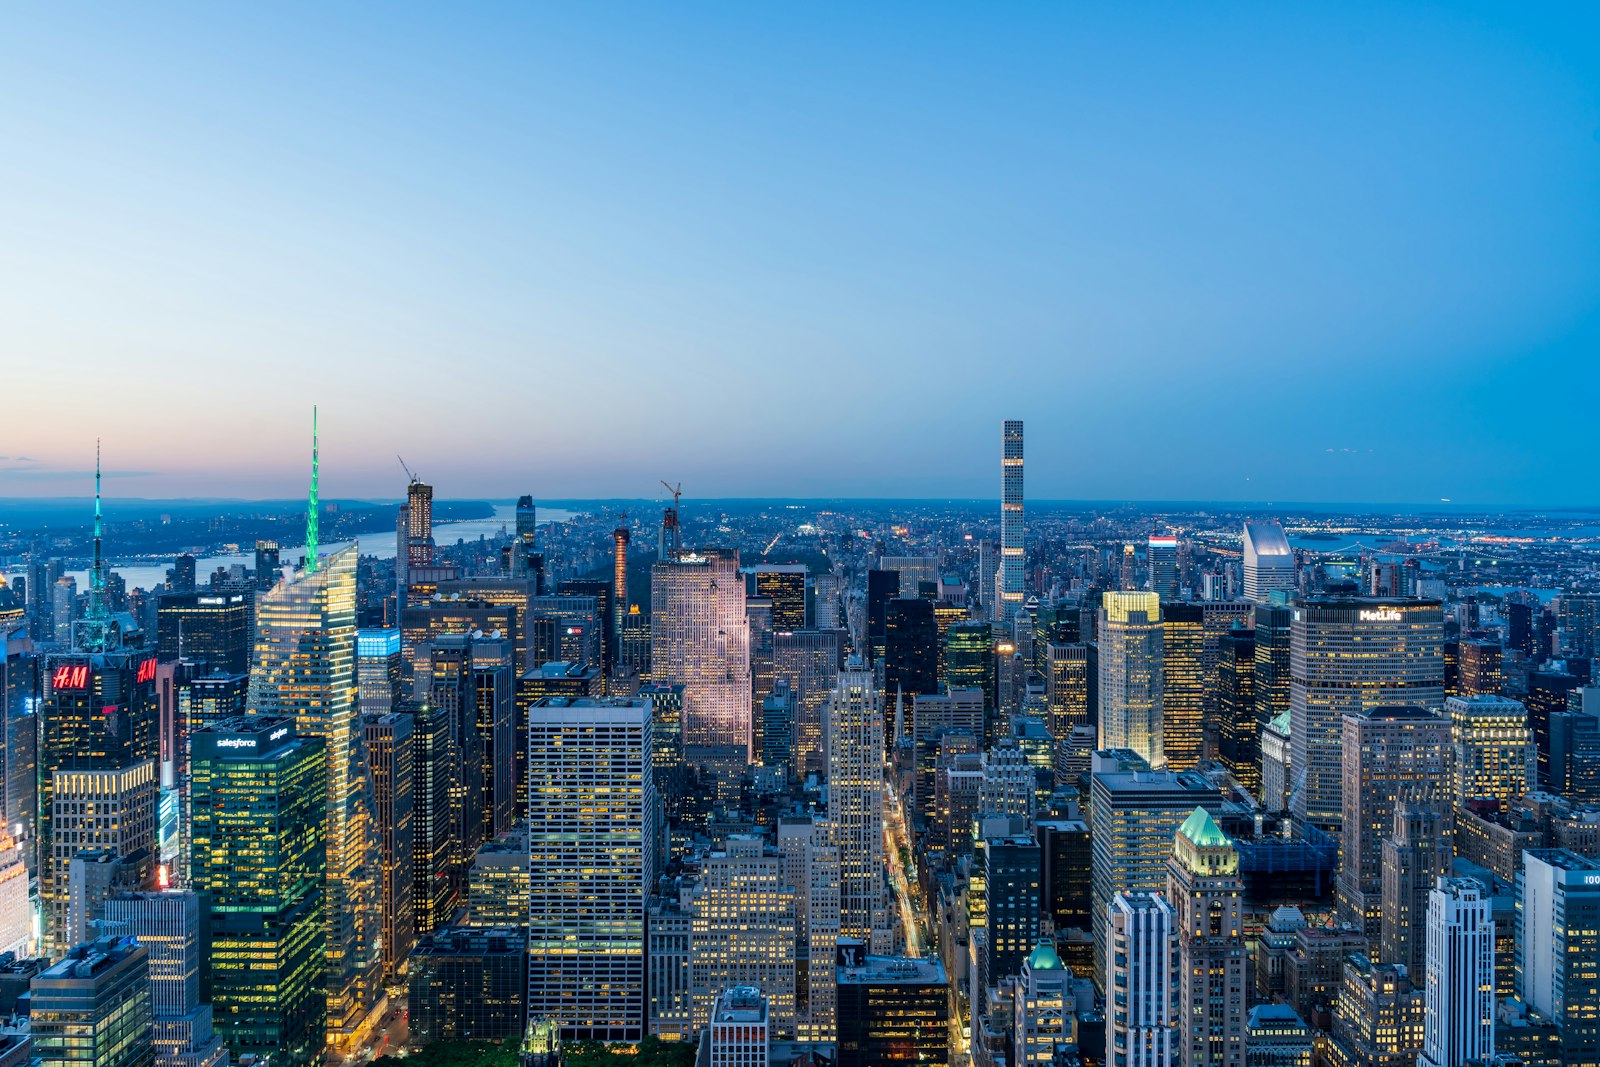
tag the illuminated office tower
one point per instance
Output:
(738, 1033)
(809, 660)
(1130, 567)
(1041, 1022)
(1238, 731)
(391, 746)
(1458, 1025)
(1131, 674)
(1207, 897)
(1558, 946)
(16, 910)
(591, 840)
(1352, 654)
(1004, 905)
(468, 611)
(1378, 1018)
(910, 648)
(744, 930)
(305, 668)
(258, 796)
(1183, 684)
(98, 777)
(1161, 554)
(494, 681)
(98, 746)
(64, 597)
(1478, 667)
(444, 680)
(604, 645)
(821, 881)
(855, 799)
(1066, 683)
(785, 586)
(935, 716)
(917, 574)
(497, 883)
(469, 984)
(92, 1007)
(1494, 753)
(167, 926)
(619, 590)
(208, 628)
(700, 639)
(20, 685)
(436, 848)
(777, 727)
(633, 642)
(1416, 851)
(825, 602)
(969, 658)
(378, 671)
(1142, 1025)
(1274, 641)
(1268, 562)
(1388, 752)
(1009, 587)
(891, 1009)
(1008, 784)
(1135, 812)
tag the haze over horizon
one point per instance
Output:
(1329, 253)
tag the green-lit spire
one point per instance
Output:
(311, 505)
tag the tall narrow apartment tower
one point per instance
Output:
(1009, 594)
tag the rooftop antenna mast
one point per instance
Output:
(97, 577)
(311, 503)
(672, 522)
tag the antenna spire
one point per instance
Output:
(97, 577)
(311, 504)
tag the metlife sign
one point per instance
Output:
(1379, 615)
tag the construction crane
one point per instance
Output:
(669, 521)
(409, 473)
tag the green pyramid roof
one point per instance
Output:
(1202, 830)
(1280, 723)
(1044, 958)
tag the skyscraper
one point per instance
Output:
(258, 801)
(1009, 588)
(1387, 752)
(92, 1007)
(1238, 731)
(1183, 684)
(891, 1010)
(1353, 654)
(1458, 1025)
(305, 668)
(1268, 561)
(1558, 946)
(1131, 672)
(855, 799)
(738, 1033)
(744, 930)
(1135, 812)
(1207, 897)
(167, 925)
(1494, 751)
(391, 746)
(1162, 556)
(700, 639)
(212, 628)
(1141, 1018)
(591, 839)
(619, 591)
(785, 586)
(911, 649)
(1274, 628)
(1416, 851)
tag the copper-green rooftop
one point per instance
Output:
(1202, 830)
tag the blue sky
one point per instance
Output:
(1274, 251)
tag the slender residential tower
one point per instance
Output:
(305, 668)
(1009, 593)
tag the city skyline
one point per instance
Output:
(910, 226)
